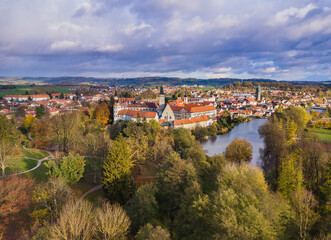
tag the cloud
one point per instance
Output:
(63, 45)
(232, 38)
(286, 15)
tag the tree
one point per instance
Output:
(238, 151)
(96, 147)
(40, 130)
(275, 149)
(142, 208)
(75, 222)
(9, 140)
(175, 176)
(183, 139)
(61, 96)
(111, 222)
(15, 195)
(28, 121)
(66, 129)
(241, 208)
(148, 232)
(304, 205)
(49, 198)
(299, 115)
(40, 111)
(290, 178)
(71, 168)
(291, 132)
(102, 113)
(117, 180)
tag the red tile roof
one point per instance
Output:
(145, 115)
(194, 109)
(185, 121)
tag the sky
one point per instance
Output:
(276, 39)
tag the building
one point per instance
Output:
(193, 110)
(167, 114)
(161, 100)
(258, 93)
(192, 123)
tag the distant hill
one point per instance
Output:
(146, 81)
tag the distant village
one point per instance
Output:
(190, 108)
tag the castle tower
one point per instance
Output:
(161, 100)
(258, 93)
(185, 98)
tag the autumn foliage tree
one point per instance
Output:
(15, 195)
(9, 140)
(238, 151)
(102, 113)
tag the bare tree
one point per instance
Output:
(75, 222)
(304, 205)
(111, 222)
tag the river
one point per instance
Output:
(247, 130)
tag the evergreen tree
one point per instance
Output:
(40, 111)
(117, 180)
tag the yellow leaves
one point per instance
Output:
(27, 123)
(102, 113)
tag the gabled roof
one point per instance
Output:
(185, 121)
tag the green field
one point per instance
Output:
(21, 89)
(17, 165)
(324, 135)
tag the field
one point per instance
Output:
(324, 135)
(22, 88)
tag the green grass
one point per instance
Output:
(39, 175)
(20, 164)
(324, 135)
(33, 153)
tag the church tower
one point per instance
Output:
(161, 100)
(185, 98)
(258, 93)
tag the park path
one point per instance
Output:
(50, 156)
(96, 188)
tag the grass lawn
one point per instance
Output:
(39, 175)
(33, 153)
(20, 165)
(324, 135)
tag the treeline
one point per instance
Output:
(298, 166)
(189, 195)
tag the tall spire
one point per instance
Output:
(161, 90)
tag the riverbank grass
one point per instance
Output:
(324, 135)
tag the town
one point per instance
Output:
(188, 109)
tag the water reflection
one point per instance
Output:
(249, 131)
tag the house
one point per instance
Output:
(193, 110)
(145, 115)
(191, 123)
